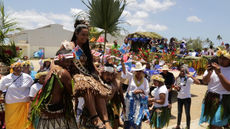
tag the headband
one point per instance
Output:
(108, 69)
(81, 26)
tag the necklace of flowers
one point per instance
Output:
(138, 83)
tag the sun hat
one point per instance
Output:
(48, 59)
(165, 67)
(158, 78)
(138, 67)
(39, 74)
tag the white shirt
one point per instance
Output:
(132, 85)
(34, 89)
(156, 93)
(215, 85)
(185, 88)
(17, 91)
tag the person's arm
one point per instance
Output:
(158, 101)
(206, 78)
(196, 81)
(224, 81)
(123, 66)
(67, 79)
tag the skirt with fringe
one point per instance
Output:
(84, 84)
(160, 117)
(214, 110)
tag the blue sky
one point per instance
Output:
(170, 18)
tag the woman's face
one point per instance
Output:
(223, 61)
(82, 36)
(139, 74)
(17, 70)
(156, 83)
(42, 79)
(182, 72)
(47, 63)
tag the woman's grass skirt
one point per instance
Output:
(160, 117)
(214, 110)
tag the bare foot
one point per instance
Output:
(108, 126)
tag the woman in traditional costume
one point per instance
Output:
(160, 115)
(17, 86)
(216, 106)
(136, 99)
(87, 82)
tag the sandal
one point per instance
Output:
(98, 125)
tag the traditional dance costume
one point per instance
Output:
(160, 115)
(216, 106)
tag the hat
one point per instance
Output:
(16, 64)
(47, 60)
(224, 53)
(165, 67)
(26, 63)
(38, 75)
(138, 67)
(158, 78)
(183, 41)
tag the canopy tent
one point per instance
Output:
(141, 39)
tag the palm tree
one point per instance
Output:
(219, 38)
(7, 25)
(105, 14)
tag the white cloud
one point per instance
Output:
(30, 19)
(156, 27)
(136, 21)
(141, 14)
(153, 6)
(140, 29)
(193, 19)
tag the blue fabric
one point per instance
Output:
(78, 52)
(137, 108)
(125, 48)
(32, 74)
(217, 121)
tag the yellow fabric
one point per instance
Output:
(16, 115)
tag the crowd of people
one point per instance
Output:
(79, 88)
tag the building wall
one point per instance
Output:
(50, 51)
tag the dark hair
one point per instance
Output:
(109, 65)
(79, 25)
(63, 51)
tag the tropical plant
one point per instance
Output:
(210, 43)
(194, 43)
(105, 14)
(219, 37)
(7, 25)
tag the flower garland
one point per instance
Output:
(138, 83)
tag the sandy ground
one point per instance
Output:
(197, 91)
